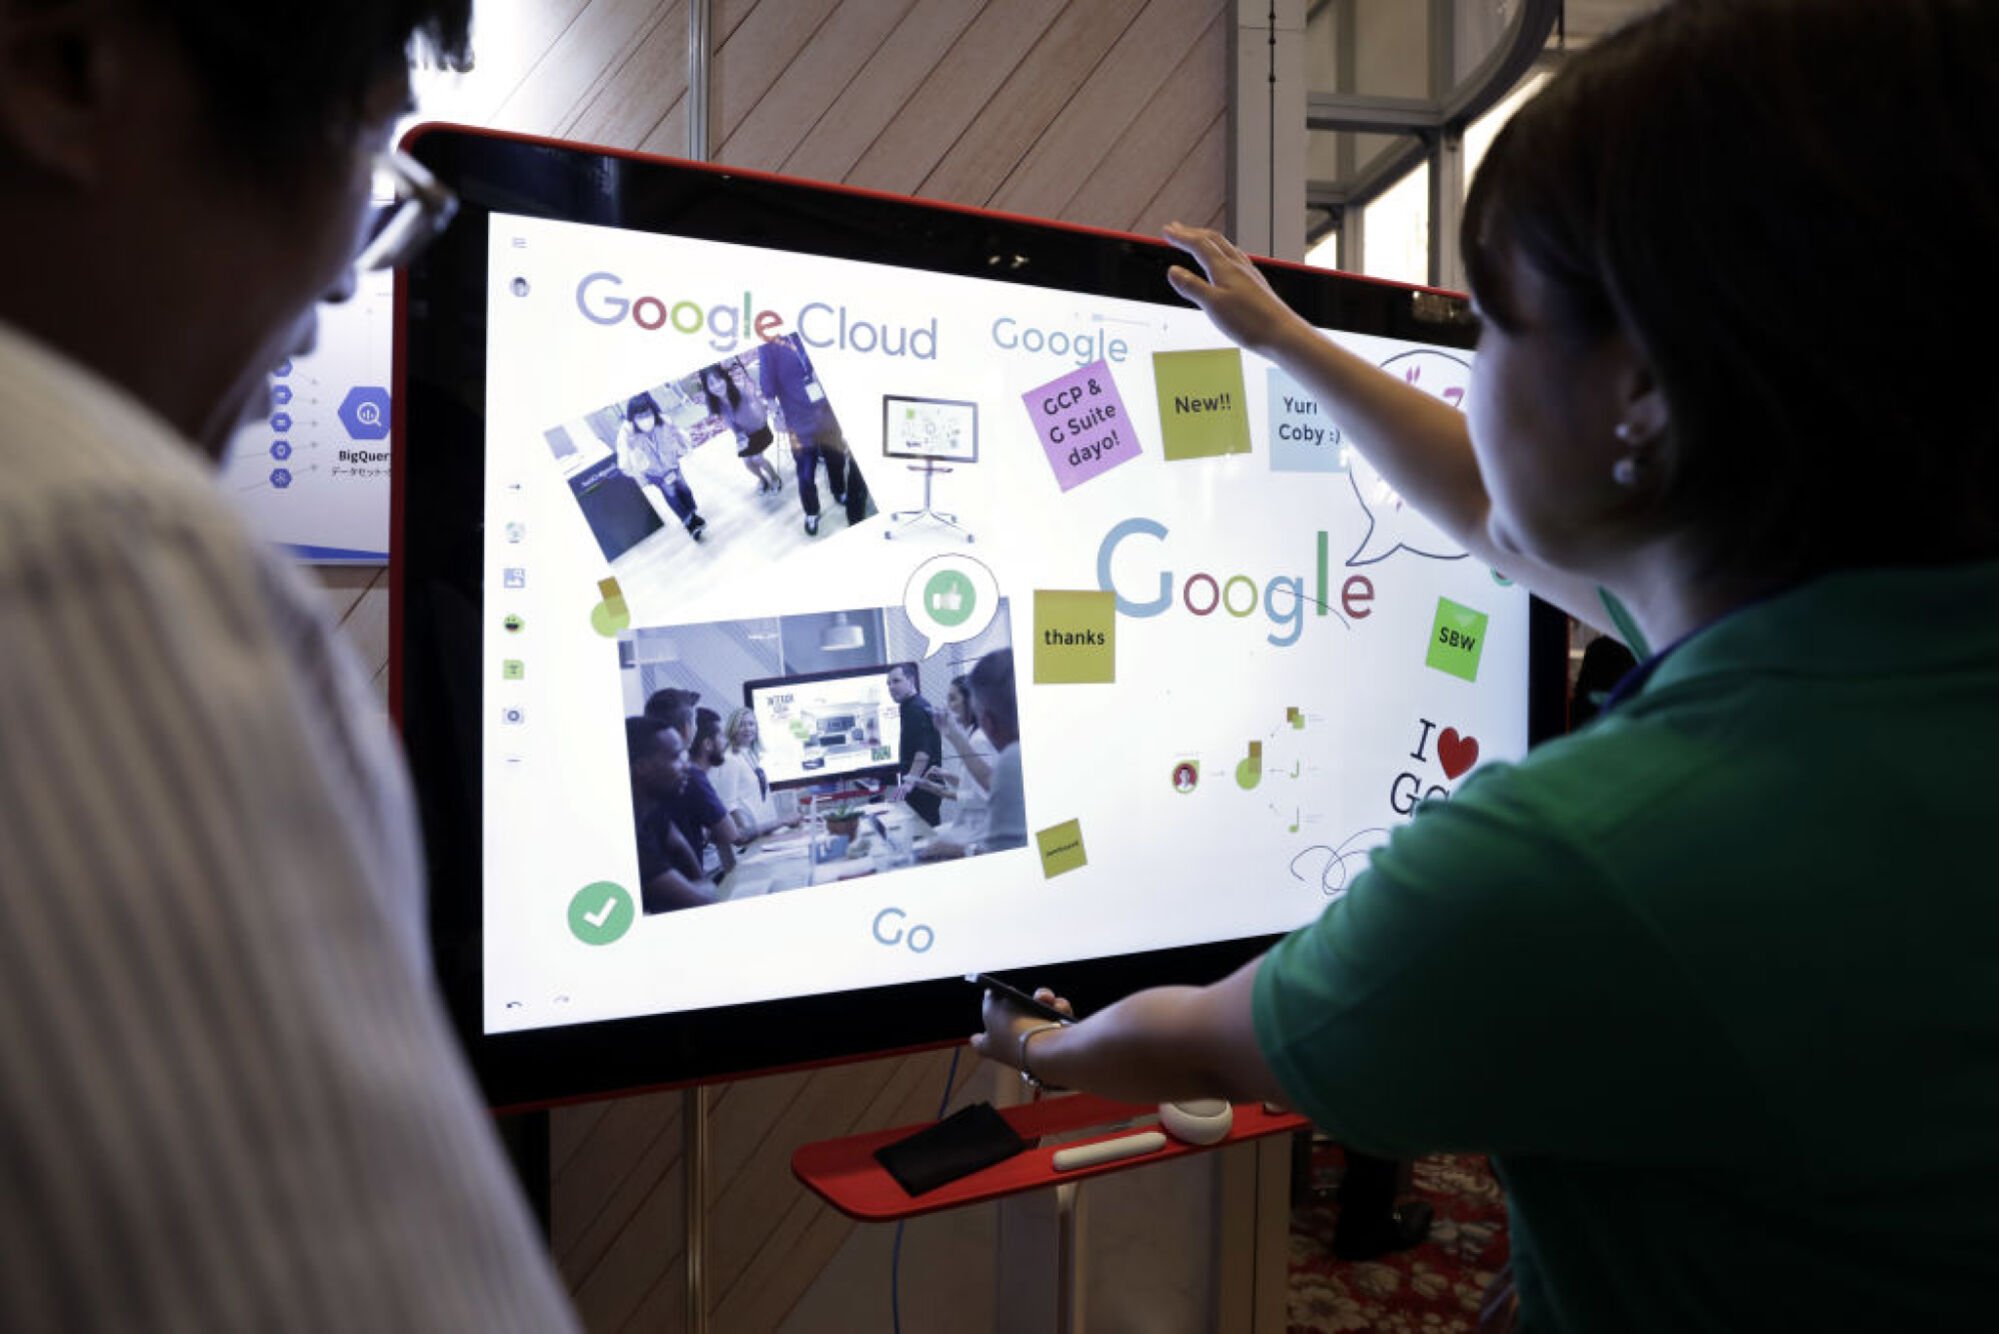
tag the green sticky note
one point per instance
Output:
(1061, 848)
(1075, 638)
(1202, 411)
(1457, 640)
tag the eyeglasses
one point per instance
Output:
(423, 208)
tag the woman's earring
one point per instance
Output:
(1625, 471)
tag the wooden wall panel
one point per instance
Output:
(952, 95)
(1034, 94)
(878, 92)
(1111, 113)
(643, 95)
(800, 96)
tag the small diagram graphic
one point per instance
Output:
(1249, 772)
(1296, 718)
(611, 616)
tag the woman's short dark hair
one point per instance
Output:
(286, 78)
(638, 403)
(1785, 202)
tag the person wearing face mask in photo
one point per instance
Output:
(650, 449)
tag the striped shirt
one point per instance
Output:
(231, 1099)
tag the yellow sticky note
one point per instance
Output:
(1061, 848)
(1075, 638)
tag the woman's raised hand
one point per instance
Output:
(1232, 292)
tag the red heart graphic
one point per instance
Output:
(1456, 753)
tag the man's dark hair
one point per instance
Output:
(680, 717)
(286, 78)
(1784, 203)
(706, 730)
(992, 688)
(642, 737)
(912, 671)
(664, 705)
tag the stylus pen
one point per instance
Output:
(1018, 997)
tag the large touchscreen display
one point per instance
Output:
(734, 492)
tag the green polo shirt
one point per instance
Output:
(1716, 980)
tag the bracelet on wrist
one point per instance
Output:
(1027, 1076)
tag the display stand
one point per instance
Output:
(694, 1163)
(904, 520)
(1040, 1207)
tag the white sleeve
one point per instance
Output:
(232, 1096)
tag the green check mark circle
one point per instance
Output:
(600, 913)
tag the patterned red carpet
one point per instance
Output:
(1434, 1288)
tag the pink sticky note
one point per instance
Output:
(1082, 423)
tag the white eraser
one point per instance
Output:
(1108, 1150)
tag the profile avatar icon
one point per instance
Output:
(1186, 776)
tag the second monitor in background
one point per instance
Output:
(931, 431)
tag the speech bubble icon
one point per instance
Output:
(950, 599)
(1392, 525)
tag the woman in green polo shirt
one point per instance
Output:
(1711, 980)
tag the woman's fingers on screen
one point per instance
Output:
(1048, 997)
(1198, 245)
(1190, 285)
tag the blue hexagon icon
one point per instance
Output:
(365, 412)
(281, 421)
(281, 449)
(281, 394)
(284, 368)
(281, 478)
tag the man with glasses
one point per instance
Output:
(231, 1097)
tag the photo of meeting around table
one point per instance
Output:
(744, 453)
(784, 752)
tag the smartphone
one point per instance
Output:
(1018, 997)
